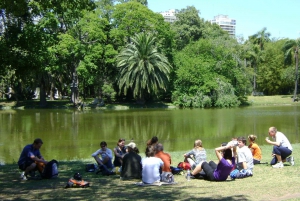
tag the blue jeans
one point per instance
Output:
(282, 151)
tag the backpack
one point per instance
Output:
(77, 183)
(184, 165)
(90, 167)
(176, 170)
(51, 170)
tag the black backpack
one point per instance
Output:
(51, 170)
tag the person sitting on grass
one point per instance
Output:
(165, 157)
(132, 167)
(255, 149)
(198, 153)
(119, 151)
(244, 167)
(105, 161)
(214, 172)
(30, 157)
(151, 167)
(282, 148)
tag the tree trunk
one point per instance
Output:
(43, 101)
(296, 79)
(74, 87)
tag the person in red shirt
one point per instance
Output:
(165, 157)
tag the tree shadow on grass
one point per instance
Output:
(101, 187)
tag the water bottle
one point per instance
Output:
(188, 175)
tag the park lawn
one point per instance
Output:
(272, 100)
(266, 184)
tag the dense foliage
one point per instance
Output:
(120, 50)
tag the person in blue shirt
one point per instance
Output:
(29, 158)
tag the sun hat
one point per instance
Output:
(131, 144)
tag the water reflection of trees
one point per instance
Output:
(69, 134)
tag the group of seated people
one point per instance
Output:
(234, 158)
(132, 166)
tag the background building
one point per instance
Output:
(225, 23)
(169, 15)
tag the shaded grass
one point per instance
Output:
(266, 184)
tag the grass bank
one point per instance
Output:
(272, 100)
(66, 104)
(266, 184)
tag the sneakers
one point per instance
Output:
(290, 159)
(278, 165)
(23, 176)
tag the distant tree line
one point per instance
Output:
(122, 51)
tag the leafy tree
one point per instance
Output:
(202, 67)
(274, 79)
(291, 48)
(143, 2)
(257, 51)
(143, 69)
(188, 26)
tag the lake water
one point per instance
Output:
(73, 134)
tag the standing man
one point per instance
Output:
(282, 148)
(106, 157)
(29, 158)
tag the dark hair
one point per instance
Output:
(150, 151)
(224, 144)
(103, 143)
(136, 150)
(38, 141)
(227, 154)
(152, 141)
(120, 140)
(243, 139)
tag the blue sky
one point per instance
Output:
(280, 17)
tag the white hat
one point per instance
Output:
(131, 144)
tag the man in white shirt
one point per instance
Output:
(282, 148)
(245, 158)
(106, 156)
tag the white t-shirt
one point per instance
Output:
(282, 139)
(150, 172)
(245, 155)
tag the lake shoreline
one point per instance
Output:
(279, 100)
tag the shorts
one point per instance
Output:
(25, 165)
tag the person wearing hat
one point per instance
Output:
(131, 167)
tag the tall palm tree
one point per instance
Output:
(260, 38)
(291, 47)
(143, 69)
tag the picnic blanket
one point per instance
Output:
(155, 183)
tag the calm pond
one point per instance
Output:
(73, 134)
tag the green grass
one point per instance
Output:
(272, 100)
(266, 184)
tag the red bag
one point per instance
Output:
(184, 165)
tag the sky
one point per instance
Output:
(280, 17)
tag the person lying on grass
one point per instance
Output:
(220, 172)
